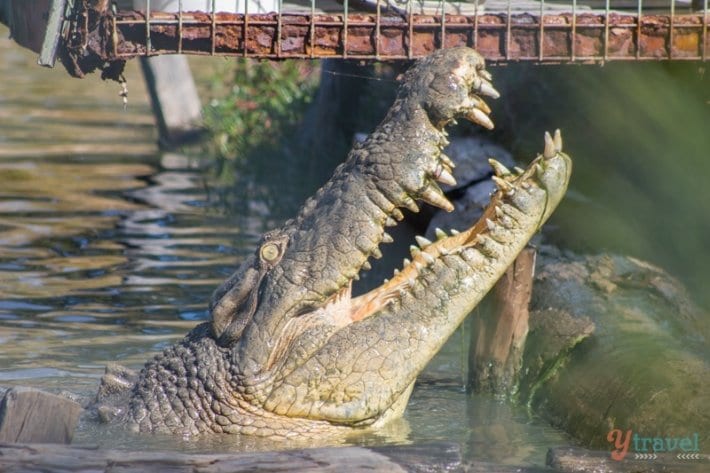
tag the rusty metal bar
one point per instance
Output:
(550, 37)
(705, 31)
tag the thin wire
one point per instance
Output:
(345, 28)
(606, 32)
(179, 27)
(148, 45)
(214, 26)
(670, 33)
(358, 76)
(638, 30)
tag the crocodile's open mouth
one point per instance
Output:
(482, 240)
(480, 244)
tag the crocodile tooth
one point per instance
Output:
(411, 282)
(405, 262)
(518, 170)
(396, 272)
(418, 265)
(422, 242)
(478, 116)
(502, 184)
(366, 266)
(414, 250)
(453, 122)
(409, 203)
(444, 132)
(390, 222)
(525, 185)
(499, 212)
(487, 246)
(376, 253)
(428, 258)
(444, 176)
(435, 197)
(499, 168)
(486, 88)
(491, 226)
(454, 231)
(549, 147)
(440, 234)
(387, 238)
(481, 105)
(557, 139)
(385, 281)
(397, 214)
(356, 277)
(444, 251)
(446, 160)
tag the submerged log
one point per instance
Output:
(385, 459)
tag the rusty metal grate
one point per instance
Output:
(502, 30)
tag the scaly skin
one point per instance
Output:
(288, 351)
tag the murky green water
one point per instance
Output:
(109, 251)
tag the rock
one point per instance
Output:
(471, 154)
(643, 368)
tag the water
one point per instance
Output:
(110, 249)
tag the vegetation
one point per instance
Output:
(255, 105)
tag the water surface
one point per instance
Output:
(110, 249)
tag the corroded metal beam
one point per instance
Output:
(102, 37)
(564, 38)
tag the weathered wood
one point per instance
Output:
(571, 459)
(496, 352)
(31, 415)
(173, 94)
(390, 459)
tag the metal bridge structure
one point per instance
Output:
(89, 34)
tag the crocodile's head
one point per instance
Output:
(299, 279)
(287, 343)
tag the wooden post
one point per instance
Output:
(496, 352)
(176, 105)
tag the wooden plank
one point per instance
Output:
(31, 415)
(496, 353)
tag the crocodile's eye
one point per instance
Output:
(270, 252)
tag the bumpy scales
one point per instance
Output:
(288, 351)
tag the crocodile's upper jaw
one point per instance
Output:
(291, 344)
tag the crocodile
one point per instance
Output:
(288, 350)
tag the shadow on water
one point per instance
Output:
(109, 250)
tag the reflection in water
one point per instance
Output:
(109, 252)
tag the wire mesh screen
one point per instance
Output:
(502, 30)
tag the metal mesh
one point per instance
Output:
(502, 30)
